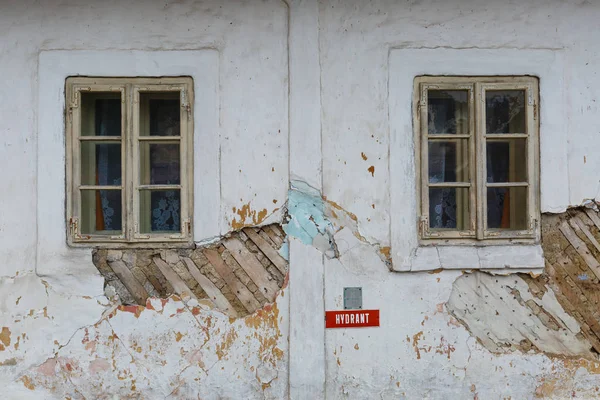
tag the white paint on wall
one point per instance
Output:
(370, 53)
(49, 293)
(335, 62)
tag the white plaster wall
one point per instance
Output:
(237, 51)
(337, 71)
(357, 39)
(251, 40)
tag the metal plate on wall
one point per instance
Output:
(353, 298)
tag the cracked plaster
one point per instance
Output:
(169, 348)
(360, 364)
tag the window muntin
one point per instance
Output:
(478, 144)
(129, 155)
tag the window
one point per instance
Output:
(129, 161)
(477, 152)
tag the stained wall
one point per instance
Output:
(304, 119)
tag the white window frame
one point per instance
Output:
(477, 233)
(130, 89)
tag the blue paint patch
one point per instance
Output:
(307, 213)
(284, 251)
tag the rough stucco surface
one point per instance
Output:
(57, 344)
(516, 326)
(420, 350)
(54, 349)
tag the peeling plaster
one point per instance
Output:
(166, 348)
(511, 258)
(248, 217)
(503, 315)
(324, 224)
(307, 222)
(61, 338)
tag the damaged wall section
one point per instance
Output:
(556, 312)
(239, 274)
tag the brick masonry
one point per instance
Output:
(239, 274)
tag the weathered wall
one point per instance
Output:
(421, 350)
(61, 337)
(239, 274)
(303, 93)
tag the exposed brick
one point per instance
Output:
(113, 255)
(252, 287)
(184, 274)
(144, 257)
(139, 275)
(140, 263)
(252, 247)
(129, 258)
(171, 257)
(260, 297)
(242, 276)
(150, 289)
(122, 292)
(198, 258)
(268, 238)
(265, 262)
(184, 252)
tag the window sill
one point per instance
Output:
(133, 245)
(500, 257)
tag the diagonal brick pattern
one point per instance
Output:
(239, 274)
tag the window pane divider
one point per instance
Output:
(480, 160)
(450, 184)
(159, 187)
(185, 143)
(159, 138)
(424, 138)
(506, 184)
(424, 224)
(100, 187)
(439, 136)
(493, 136)
(100, 138)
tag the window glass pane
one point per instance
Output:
(506, 160)
(100, 163)
(100, 114)
(448, 161)
(448, 112)
(101, 212)
(507, 208)
(159, 163)
(505, 111)
(160, 114)
(160, 211)
(449, 208)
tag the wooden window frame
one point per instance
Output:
(129, 89)
(477, 234)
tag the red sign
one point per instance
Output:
(351, 318)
